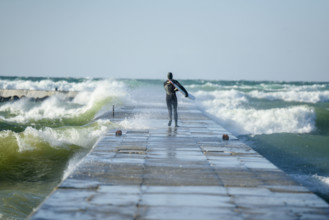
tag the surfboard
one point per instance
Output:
(190, 96)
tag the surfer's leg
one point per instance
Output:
(175, 111)
(169, 106)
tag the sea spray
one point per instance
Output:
(292, 96)
(139, 121)
(84, 106)
(316, 183)
(233, 110)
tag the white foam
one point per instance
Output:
(204, 85)
(47, 84)
(314, 182)
(53, 107)
(57, 107)
(231, 109)
(100, 90)
(5, 134)
(23, 144)
(312, 93)
(72, 164)
(217, 85)
(225, 98)
(323, 179)
(292, 96)
(139, 121)
(84, 136)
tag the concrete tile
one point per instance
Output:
(259, 165)
(79, 184)
(115, 199)
(253, 201)
(301, 199)
(188, 213)
(215, 190)
(120, 189)
(287, 188)
(186, 200)
(124, 160)
(76, 198)
(256, 191)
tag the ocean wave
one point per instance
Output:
(49, 84)
(316, 183)
(82, 108)
(292, 96)
(281, 120)
(65, 137)
(204, 85)
(323, 179)
(210, 86)
(219, 98)
(230, 109)
(140, 121)
(37, 155)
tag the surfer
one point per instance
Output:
(171, 98)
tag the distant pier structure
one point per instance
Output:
(36, 95)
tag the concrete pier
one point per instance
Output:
(187, 172)
(15, 94)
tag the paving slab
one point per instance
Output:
(187, 172)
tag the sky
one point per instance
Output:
(281, 40)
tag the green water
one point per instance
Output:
(28, 177)
(39, 141)
(302, 154)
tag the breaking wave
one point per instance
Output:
(232, 109)
(292, 96)
(43, 129)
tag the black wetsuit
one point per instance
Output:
(171, 98)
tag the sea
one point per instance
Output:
(42, 141)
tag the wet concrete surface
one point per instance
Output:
(187, 172)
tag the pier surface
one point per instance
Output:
(187, 172)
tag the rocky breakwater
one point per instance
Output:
(37, 95)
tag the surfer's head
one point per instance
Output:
(169, 75)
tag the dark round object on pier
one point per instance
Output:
(118, 133)
(226, 137)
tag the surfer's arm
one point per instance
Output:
(182, 88)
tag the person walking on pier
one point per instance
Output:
(171, 98)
